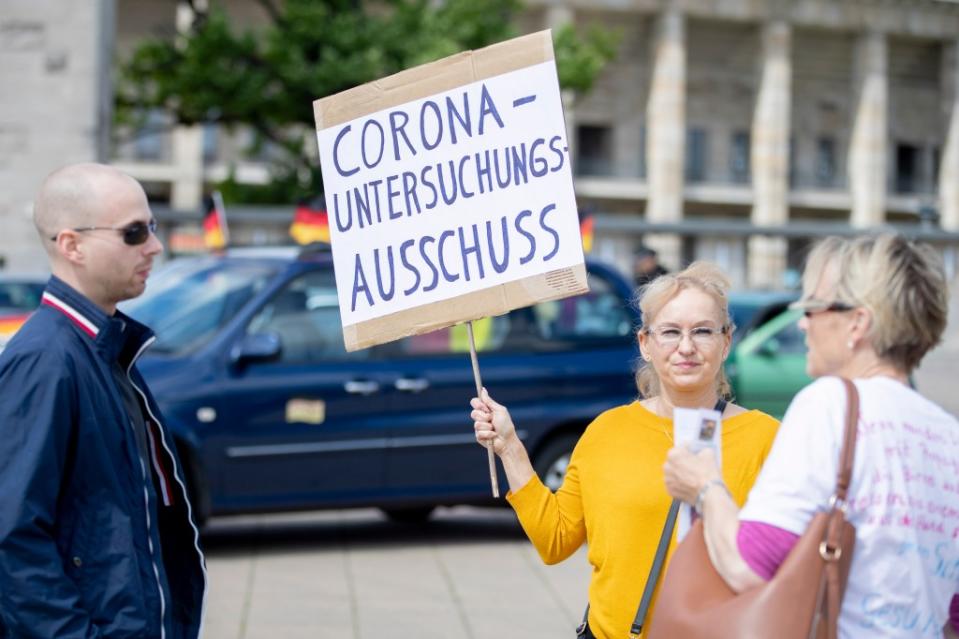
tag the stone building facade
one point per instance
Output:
(732, 130)
(769, 123)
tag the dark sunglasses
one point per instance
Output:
(834, 307)
(133, 234)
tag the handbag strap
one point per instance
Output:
(829, 596)
(848, 454)
(658, 560)
(831, 548)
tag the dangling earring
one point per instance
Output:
(850, 345)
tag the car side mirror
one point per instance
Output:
(257, 347)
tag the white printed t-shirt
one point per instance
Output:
(903, 500)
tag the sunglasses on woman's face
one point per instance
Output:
(811, 307)
(133, 234)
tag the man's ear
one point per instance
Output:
(69, 246)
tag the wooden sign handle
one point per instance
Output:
(479, 391)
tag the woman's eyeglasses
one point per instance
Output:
(133, 234)
(671, 336)
(811, 307)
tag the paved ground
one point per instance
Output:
(467, 573)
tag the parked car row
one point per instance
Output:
(270, 412)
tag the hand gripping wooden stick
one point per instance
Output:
(479, 392)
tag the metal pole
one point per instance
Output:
(479, 391)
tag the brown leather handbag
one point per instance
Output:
(801, 601)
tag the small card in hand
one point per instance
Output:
(696, 428)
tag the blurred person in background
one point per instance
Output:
(612, 496)
(96, 536)
(874, 306)
(646, 266)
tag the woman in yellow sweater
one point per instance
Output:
(613, 495)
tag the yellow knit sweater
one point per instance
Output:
(614, 497)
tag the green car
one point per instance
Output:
(767, 367)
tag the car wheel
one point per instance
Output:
(414, 515)
(551, 462)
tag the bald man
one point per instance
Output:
(96, 531)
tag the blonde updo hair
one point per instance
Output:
(651, 298)
(902, 283)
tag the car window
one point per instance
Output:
(600, 314)
(511, 332)
(749, 315)
(741, 315)
(188, 301)
(21, 296)
(305, 315)
(789, 339)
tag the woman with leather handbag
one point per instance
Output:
(612, 495)
(852, 528)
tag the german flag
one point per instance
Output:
(586, 232)
(310, 224)
(216, 235)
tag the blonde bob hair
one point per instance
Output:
(651, 298)
(901, 283)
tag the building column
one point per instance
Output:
(770, 157)
(949, 160)
(186, 192)
(666, 133)
(867, 147)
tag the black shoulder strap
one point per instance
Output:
(655, 570)
(581, 628)
(653, 578)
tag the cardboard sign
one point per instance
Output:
(449, 192)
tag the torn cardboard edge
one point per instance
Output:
(432, 78)
(495, 300)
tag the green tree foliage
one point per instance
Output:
(267, 78)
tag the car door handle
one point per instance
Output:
(357, 387)
(411, 385)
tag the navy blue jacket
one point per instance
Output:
(93, 542)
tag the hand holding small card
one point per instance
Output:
(695, 428)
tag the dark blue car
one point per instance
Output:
(271, 413)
